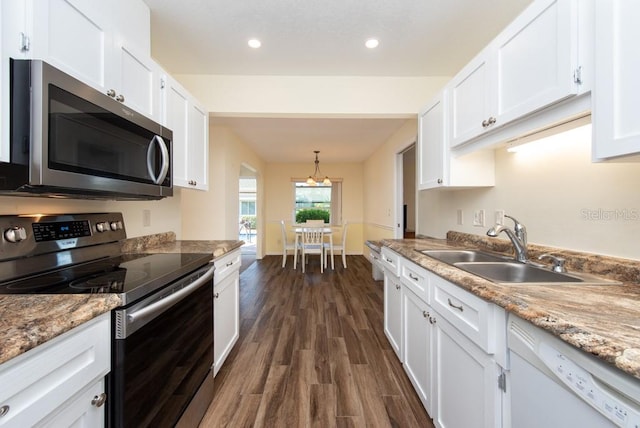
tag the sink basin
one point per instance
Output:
(458, 256)
(514, 272)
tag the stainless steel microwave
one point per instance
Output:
(69, 140)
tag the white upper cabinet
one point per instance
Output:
(437, 165)
(616, 128)
(532, 64)
(189, 122)
(89, 40)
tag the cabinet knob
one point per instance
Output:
(120, 98)
(99, 400)
(217, 295)
(485, 123)
(432, 320)
(111, 93)
(492, 120)
(425, 314)
(439, 180)
(4, 410)
(397, 286)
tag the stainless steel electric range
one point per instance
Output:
(162, 336)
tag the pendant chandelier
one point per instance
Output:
(317, 176)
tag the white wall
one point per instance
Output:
(304, 96)
(563, 199)
(165, 214)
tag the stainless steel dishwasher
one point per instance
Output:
(553, 384)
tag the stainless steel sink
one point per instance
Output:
(462, 256)
(521, 273)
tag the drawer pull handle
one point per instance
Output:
(460, 308)
(99, 400)
(229, 264)
(397, 286)
(425, 314)
(389, 260)
(4, 410)
(415, 278)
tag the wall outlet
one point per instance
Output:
(146, 218)
(459, 217)
(478, 218)
(499, 217)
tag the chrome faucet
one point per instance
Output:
(518, 237)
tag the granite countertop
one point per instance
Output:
(27, 321)
(601, 320)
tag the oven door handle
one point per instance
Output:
(161, 305)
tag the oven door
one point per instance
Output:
(162, 354)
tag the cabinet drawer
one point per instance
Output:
(471, 315)
(225, 265)
(416, 279)
(41, 380)
(391, 261)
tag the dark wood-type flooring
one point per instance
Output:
(312, 352)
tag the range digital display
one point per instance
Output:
(60, 230)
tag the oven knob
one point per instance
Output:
(116, 225)
(15, 234)
(102, 226)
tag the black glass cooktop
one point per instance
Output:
(129, 275)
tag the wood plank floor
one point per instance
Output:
(312, 353)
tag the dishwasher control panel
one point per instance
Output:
(588, 388)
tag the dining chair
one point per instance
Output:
(312, 243)
(287, 246)
(314, 223)
(338, 247)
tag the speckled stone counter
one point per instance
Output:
(27, 321)
(601, 320)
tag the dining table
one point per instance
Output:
(298, 228)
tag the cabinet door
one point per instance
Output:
(418, 349)
(432, 144)
(199, 146)
(136, 80)
(226, 319)
(617, 88)
(74, 36)
(470, 99)
(467, 393)
(81, 412)
(536, 58)
(176, 117)
(393, 312)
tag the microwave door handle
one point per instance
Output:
(164, 169)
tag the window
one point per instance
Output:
(323, 198)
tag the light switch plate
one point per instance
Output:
(499, 217)
(459, 217)
(478, 218)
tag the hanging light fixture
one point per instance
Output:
(317, 176)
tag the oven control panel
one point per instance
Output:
(28, 235)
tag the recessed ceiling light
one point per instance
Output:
(254, 43)
(372, 43)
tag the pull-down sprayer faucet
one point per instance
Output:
(518, 237)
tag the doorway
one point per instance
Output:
(248, 212)
(405, 218)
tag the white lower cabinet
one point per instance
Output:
(452, 345)
(466, 379)
(59, 383)
(393, 311)
(418, 346)
(226, 307)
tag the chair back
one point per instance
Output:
(344, 234)
(314, 223)
(312, 236)
(284, 232)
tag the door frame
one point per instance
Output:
(398, 231)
